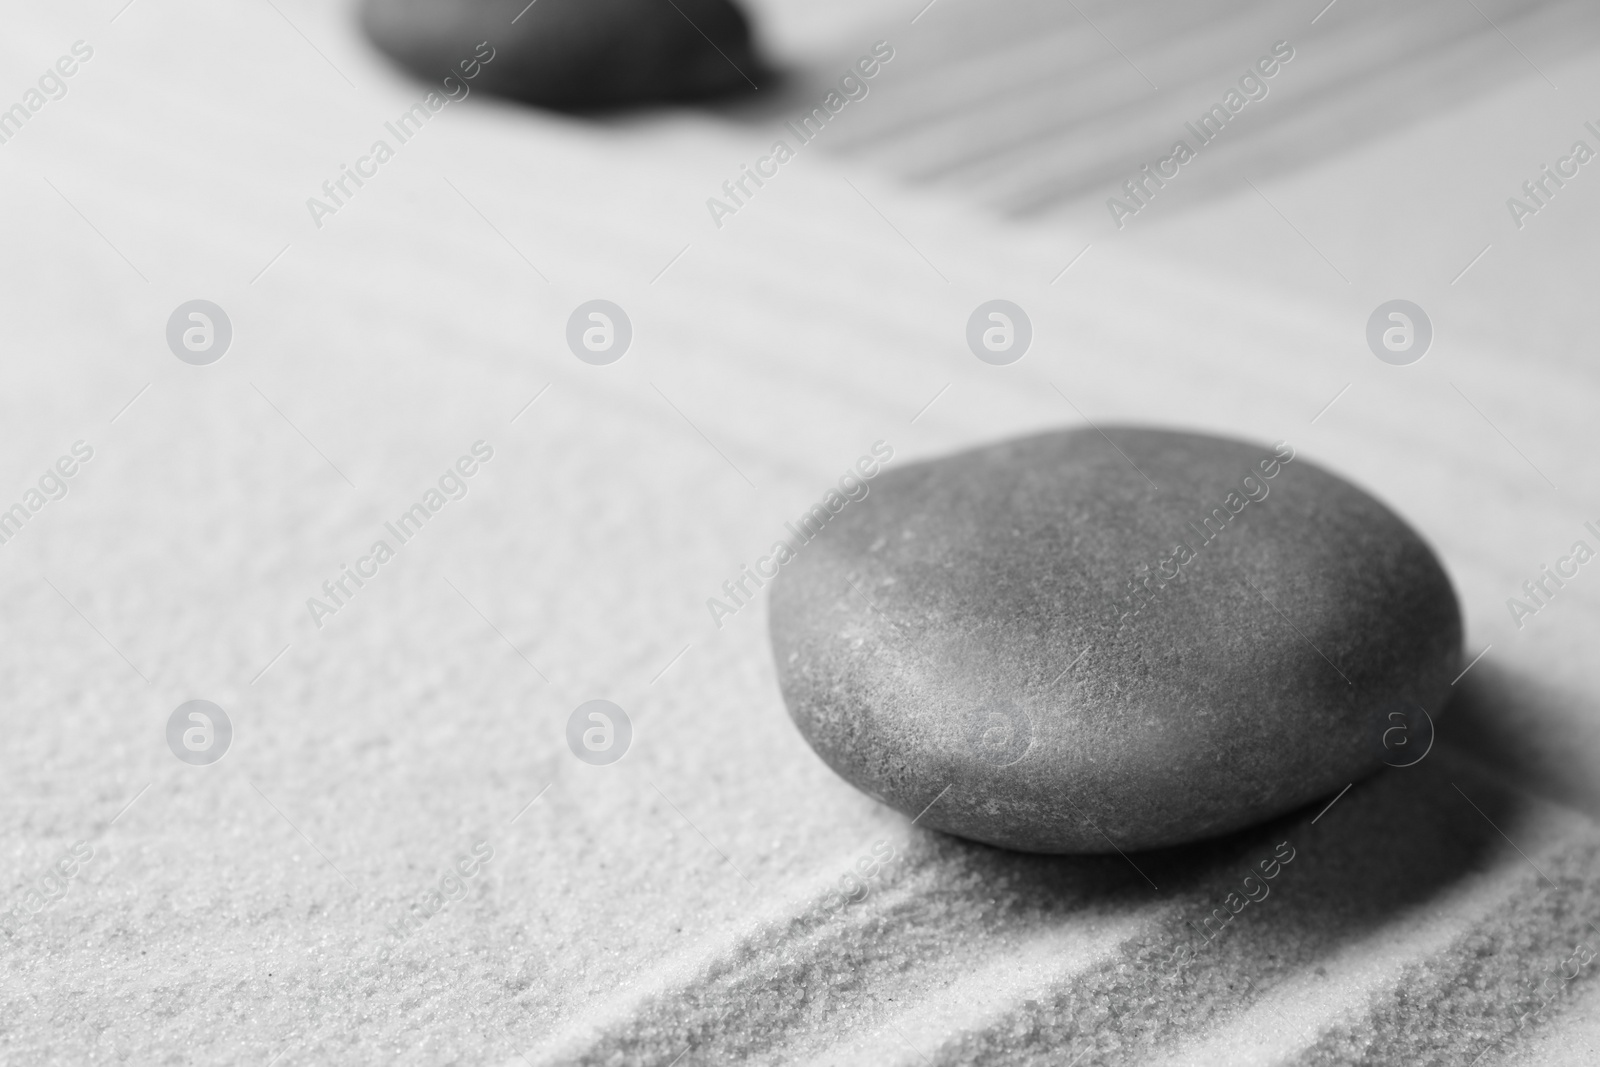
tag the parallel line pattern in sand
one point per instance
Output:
(1032, 112)
(1349, 959)
(586, 876)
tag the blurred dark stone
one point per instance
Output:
(573, 55)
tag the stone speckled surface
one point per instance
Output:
(1109, 641)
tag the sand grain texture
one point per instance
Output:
(667, 906)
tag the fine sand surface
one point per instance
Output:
(674, 907)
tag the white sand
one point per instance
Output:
(668, 906)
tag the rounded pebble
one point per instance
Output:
(1081, 642)
(571, 55)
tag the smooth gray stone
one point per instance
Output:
(969, 624)
(572, 55)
